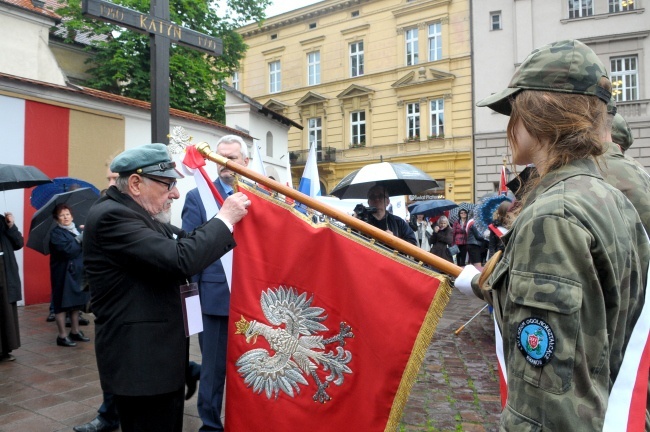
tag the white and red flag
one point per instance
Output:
(503, 181)
(327, 330)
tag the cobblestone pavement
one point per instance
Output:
(50, 388)
(457, 388)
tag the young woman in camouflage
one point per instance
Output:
(569, 290)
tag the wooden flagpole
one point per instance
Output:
(388, 239)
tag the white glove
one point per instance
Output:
(464, 280)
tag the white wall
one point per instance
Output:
(24, 50)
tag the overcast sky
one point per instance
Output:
(281, 6)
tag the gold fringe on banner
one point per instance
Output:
(433, 315)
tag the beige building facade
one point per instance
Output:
(369, 81)
(505, 32)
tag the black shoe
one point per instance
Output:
(6, 357)
(82, 321)
(96, 425)
(50, 318)
(192, 374)
(66, 342)
(79, 337)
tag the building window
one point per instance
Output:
(354, 14)
(625, 78)
(315, 132)
(235, 80)
(435, 41)
(581, 8)
(269, 144)
(413, 120)
(620, 5)
(313, 68)
(356, 59)
(411, 36)
(275, 77)
(358, 127)
(437, 123)
(495, 20)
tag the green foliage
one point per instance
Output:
(120, 64)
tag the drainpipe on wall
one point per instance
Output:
(471, 53)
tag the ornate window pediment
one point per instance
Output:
(311, 98)
(275, 105)
(355, 90)
(421, 76)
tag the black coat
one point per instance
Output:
(66, 270)
(11, 240)
(440, 241)
(134, 266)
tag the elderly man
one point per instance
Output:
(378, 198)
(135, 262)
(215, 294)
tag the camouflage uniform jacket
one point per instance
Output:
(626, 175)
(577, 259)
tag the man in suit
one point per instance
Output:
(215, 294)
(135, 262)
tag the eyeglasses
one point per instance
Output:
(170, 186)
(376, 197)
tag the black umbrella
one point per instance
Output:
(453, 213)
(79, 201)
(398, 178)
(21, 177)
(431, 208)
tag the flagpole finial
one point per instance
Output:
(505, 159)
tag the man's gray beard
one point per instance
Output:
(164, 216)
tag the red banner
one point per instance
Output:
(327, 331)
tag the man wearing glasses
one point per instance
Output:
(378, 198)
(135, 263)
(214, 292)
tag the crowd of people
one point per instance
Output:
(566, 261)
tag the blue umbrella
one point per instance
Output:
(432, 208)
(43, 193)
(484, 211)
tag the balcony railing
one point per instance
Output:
(637, 110)
(323, 155)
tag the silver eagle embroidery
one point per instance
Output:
(299, 352)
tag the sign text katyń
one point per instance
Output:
(161, 32)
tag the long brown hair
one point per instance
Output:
(570, 124)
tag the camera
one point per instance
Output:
(362, 212)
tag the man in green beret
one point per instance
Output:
(135, 263)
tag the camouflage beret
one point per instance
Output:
(621, 133)
(151, 159)
(568, 66)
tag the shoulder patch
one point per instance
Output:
(536, 341)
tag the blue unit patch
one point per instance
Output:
(536, 341)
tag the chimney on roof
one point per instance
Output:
(38, 4)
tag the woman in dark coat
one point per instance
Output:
(442, 238)
(10, 288)
(66, 275)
